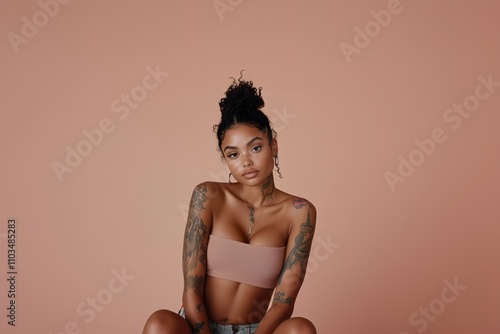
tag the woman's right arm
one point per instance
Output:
(194, 257)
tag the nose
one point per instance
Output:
(247, 163)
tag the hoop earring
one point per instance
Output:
(229, 179)
(276, 163)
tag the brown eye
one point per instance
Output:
(257, 148)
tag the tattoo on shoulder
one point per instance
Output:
(193, 282)
(300, 251)
(279, 297)
(299, 203)
(199, 197)
(196, 231)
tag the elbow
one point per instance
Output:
(191, 298)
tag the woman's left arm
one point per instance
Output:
(294, 269)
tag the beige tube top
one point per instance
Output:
(245, 263)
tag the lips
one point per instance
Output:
(250, 173)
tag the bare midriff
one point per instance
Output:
(229, 302)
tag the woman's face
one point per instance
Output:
(248, 154)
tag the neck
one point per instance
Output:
(259, 195)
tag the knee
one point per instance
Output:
(296, 325)
(304, 326)
(156, 322)
(160, 322)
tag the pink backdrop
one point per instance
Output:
(387, 115)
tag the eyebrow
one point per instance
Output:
(248, 144)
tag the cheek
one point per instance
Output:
(231, 163)
(267, 160)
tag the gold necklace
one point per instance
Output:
(252, 210)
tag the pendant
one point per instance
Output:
(250, 230)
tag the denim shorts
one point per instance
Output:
(227, 329)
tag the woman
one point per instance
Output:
(244, 239)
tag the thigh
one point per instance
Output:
(166, 322)
(296, 325)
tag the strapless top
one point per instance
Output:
(245, 263)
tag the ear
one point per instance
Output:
(274, 147)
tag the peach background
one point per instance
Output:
(124, 205)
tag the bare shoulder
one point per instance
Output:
(297, 202)
(207, 190)
(209, 186)
(300, 209)
(301, 202)
(214, 195)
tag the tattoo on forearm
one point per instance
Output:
(198, 327)
(193, 282)
(279, 297)
(300, 251)
(198, 307)
(196, 231)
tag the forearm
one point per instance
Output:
(274, 317)
(196, 314)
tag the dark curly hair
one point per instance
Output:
(242, 105)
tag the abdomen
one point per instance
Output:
(229, 302)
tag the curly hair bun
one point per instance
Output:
(242, 105)
(241, 96)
